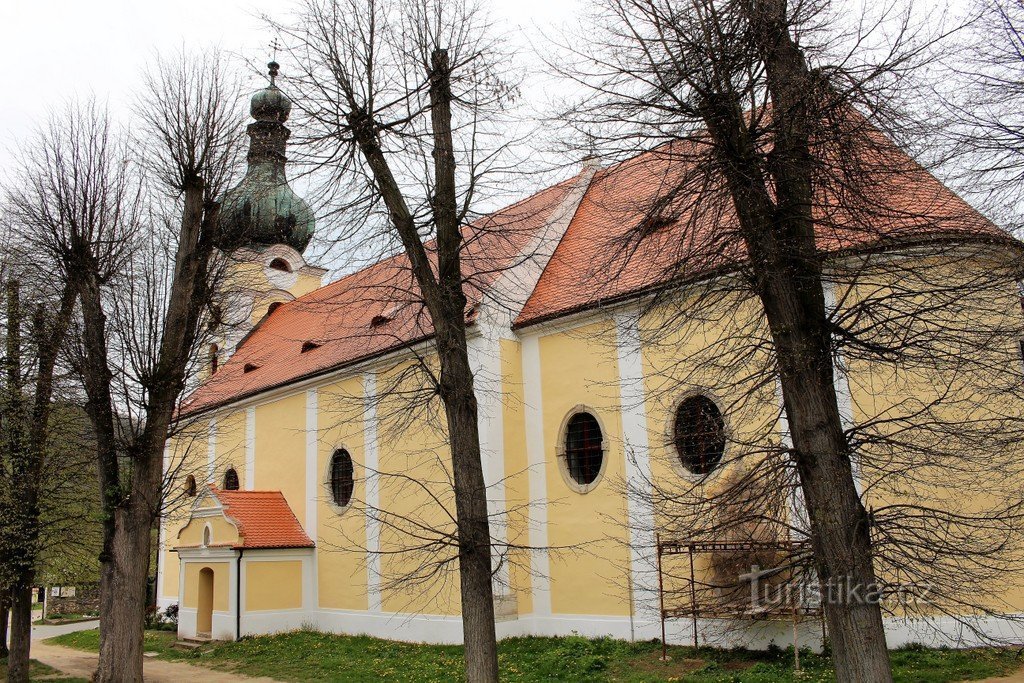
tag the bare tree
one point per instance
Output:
(981, 94)
(143, 279)
(25, 450)
(770, 196)
(394, 99)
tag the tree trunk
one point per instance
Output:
(5, 615)
(773, 202)
(477, 592)
(840, 533)
(21, 634)
(123, 599)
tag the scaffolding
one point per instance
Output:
(695, 609)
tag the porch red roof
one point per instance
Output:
(264, 519)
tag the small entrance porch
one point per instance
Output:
(245, 563)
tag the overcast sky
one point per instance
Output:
(53, 49)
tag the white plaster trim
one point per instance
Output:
(844, 397)
(512, 288)
(540, 564)
(950, 632)
(161, 540)
(371, 466)
(250, 448)
(312, 489)
(211, 451)
(797, 506)
(311, 590)
(640, 512)
(485, 360)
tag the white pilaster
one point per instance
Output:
(640, 512)
(485, 360)
(161, 541)
(371, 465)
(311, 598)
(540, 565)
(844, 397)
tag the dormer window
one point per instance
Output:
(273, 307)
(309, 346)
(249, 367)
(280, 264)
(387, 316)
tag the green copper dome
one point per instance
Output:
(263, 209)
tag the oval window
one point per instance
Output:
(699, 434)
(584, 451)
(342, 479)
(231, 480)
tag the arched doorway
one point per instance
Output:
(204, 617)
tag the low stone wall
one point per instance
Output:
(83, 599)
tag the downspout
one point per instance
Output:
(238, 594)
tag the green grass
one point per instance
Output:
(308, 656)
(38, 670)
(69, 618)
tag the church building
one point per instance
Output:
(309, 479)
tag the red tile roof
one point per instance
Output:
(603, 256)
(340, 317)
(264, 519)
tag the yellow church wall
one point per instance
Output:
(221, 576)
(273, 584)
(222, 532)
(517, 482)
(881, 391)
(305, 284)
(187, 456)
(590, 574)
(281, 450)
(170, 565)
(230, 451)
(415, 495)
(341, 560)
(682, 356)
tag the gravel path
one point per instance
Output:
(83, 664)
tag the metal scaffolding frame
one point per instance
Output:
(694, 609)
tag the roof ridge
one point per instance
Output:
(400, 255)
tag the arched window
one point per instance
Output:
(342, 478)
(231, 480)
(190, 486)
(207, 536)
(281, 264)
(584, 448)
(699, 434)
(214, 361)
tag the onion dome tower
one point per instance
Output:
(265, 227)
(262, 209)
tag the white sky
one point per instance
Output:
(55, 49)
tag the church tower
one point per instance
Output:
(271, 225)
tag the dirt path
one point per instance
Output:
(83, 664)
(1017, 677)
